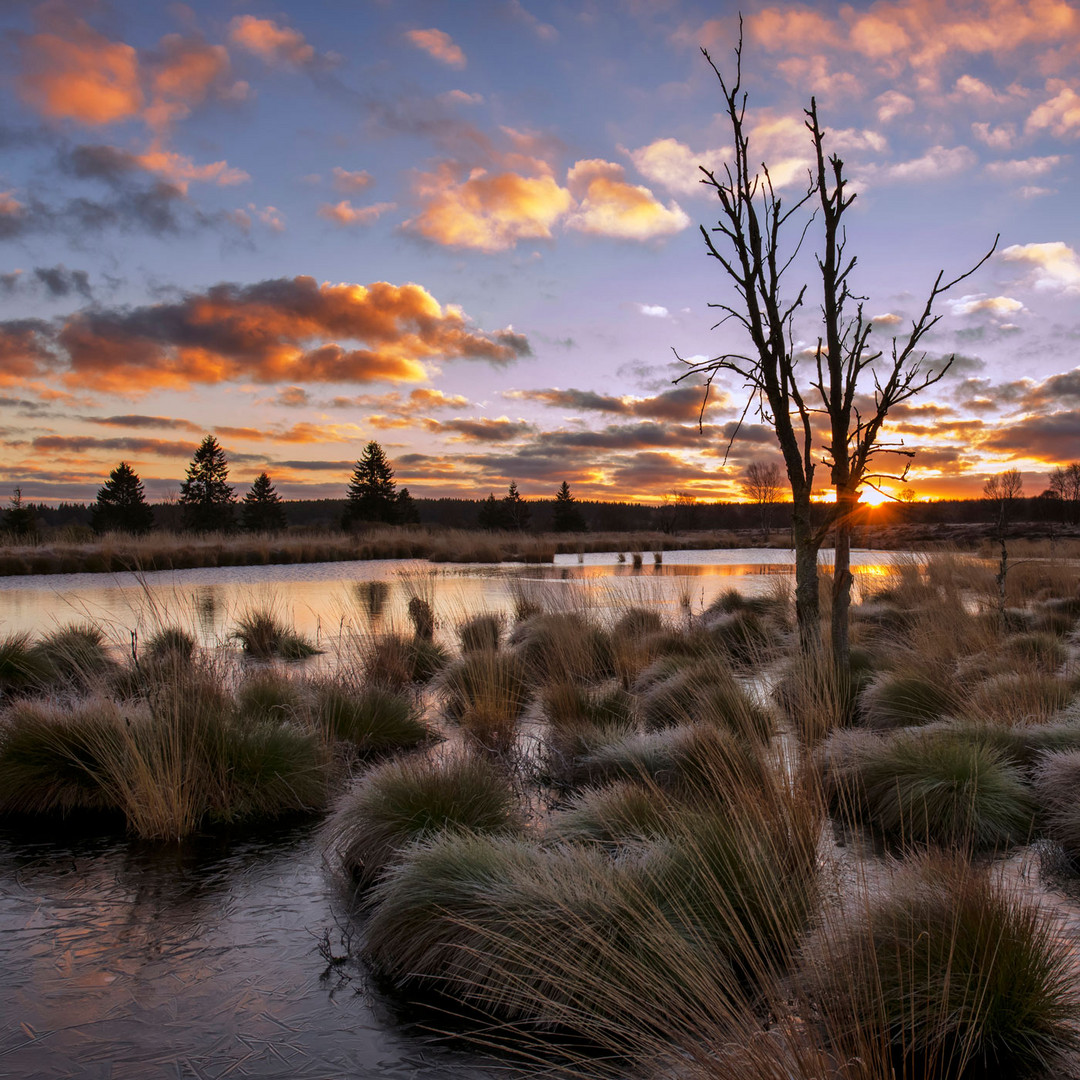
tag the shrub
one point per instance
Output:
(375, 720)
(264, 637)
(412, 799)
(903, 699)
(948, 974)
(486, 692)
(57, 760)
(940, 788)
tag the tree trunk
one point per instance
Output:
(841, 586)
(807, 607)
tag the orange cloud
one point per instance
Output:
(80, 76)
(272, 43)
(179, 169)
(609, 206)
(439, 45)
(487, 212)
(281, 330)
(675, 166)
(351, 182)
(344, 213)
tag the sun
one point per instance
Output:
(871, 496)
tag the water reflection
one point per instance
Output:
(347, 597)
(129, 961)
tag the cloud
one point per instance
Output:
(179, 169)
(137, 420)
(1060, 115)
(679, 403)
(485, 429)
(80, 75)
(993, 305)
(888, 319)
(82, 444)
(292, 397)
(344, 213)
(349, 183)
(487, 212)
(58, 282)
(1054, 266)
(937, 163)
(675, 166)
(1002, 137)
(544, 31)
(1050, 438)
(609, 206)
(461, 97)
(281, 330)
(439, 45)
(655, 311)
(892, 104)
(277, 45)
(1024, 169)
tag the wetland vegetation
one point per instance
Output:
(620, 840)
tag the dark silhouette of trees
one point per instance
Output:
(517, 509)
(493, 514)
(1002, 492)
(407, 511)
(372, 493)
(822, 410)
(263, 510)
(567, 516)
(121, 504)
(763, 485)
(1065, 485)
(19, 517)
(206, 498)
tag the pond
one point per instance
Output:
(325, 600)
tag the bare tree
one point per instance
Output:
(1065, 484)
(763, 485)
(822, 411)
(1002, 491)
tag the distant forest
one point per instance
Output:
(676, 516)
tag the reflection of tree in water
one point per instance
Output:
(206, 605)
(372, 597)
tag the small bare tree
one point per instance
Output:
(1002, 491)
(763, 485)
(756, 241)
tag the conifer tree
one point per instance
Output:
(121, 504)
(206, 497)
(19, 517)
(263, 510)
(518, 513)
(492, 514)
(407, 512)
(568, 517)
(372, 492)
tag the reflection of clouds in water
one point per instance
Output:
(332, 601)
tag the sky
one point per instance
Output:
(471, 232)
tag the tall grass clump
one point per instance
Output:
(57, 760)
(1057, 781)
(416, 798)
(947, 974)
(481, 632)
(373, 719)
(1020, 697)
(705, 692)
(398, 660)
(269, 695)
(611, 815)
(486, 693)
(934, 787)
(563, 645)
(21, 667)
(904, 699)
(76, 655)
(264, 637)
(170, 644)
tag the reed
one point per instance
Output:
(263, 636)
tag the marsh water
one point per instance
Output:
(120, 959)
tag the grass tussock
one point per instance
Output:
(947, 975)
(486, 692)
(263, 636)
(373, 720)
(414, 799)
(398, 661)
(906, 698)
(563, 645)
(21, 666)
(481, 633)
(936, 787)
(74, 656)
(1057, 780)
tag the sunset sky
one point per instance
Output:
(470, 232)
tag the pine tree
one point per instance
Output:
(568, 517)
(121, 504)
(372, 492)
(492, 514)
(19, 517)
(206, 498)
(407, 511)
(518, 513)
(262, 510)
